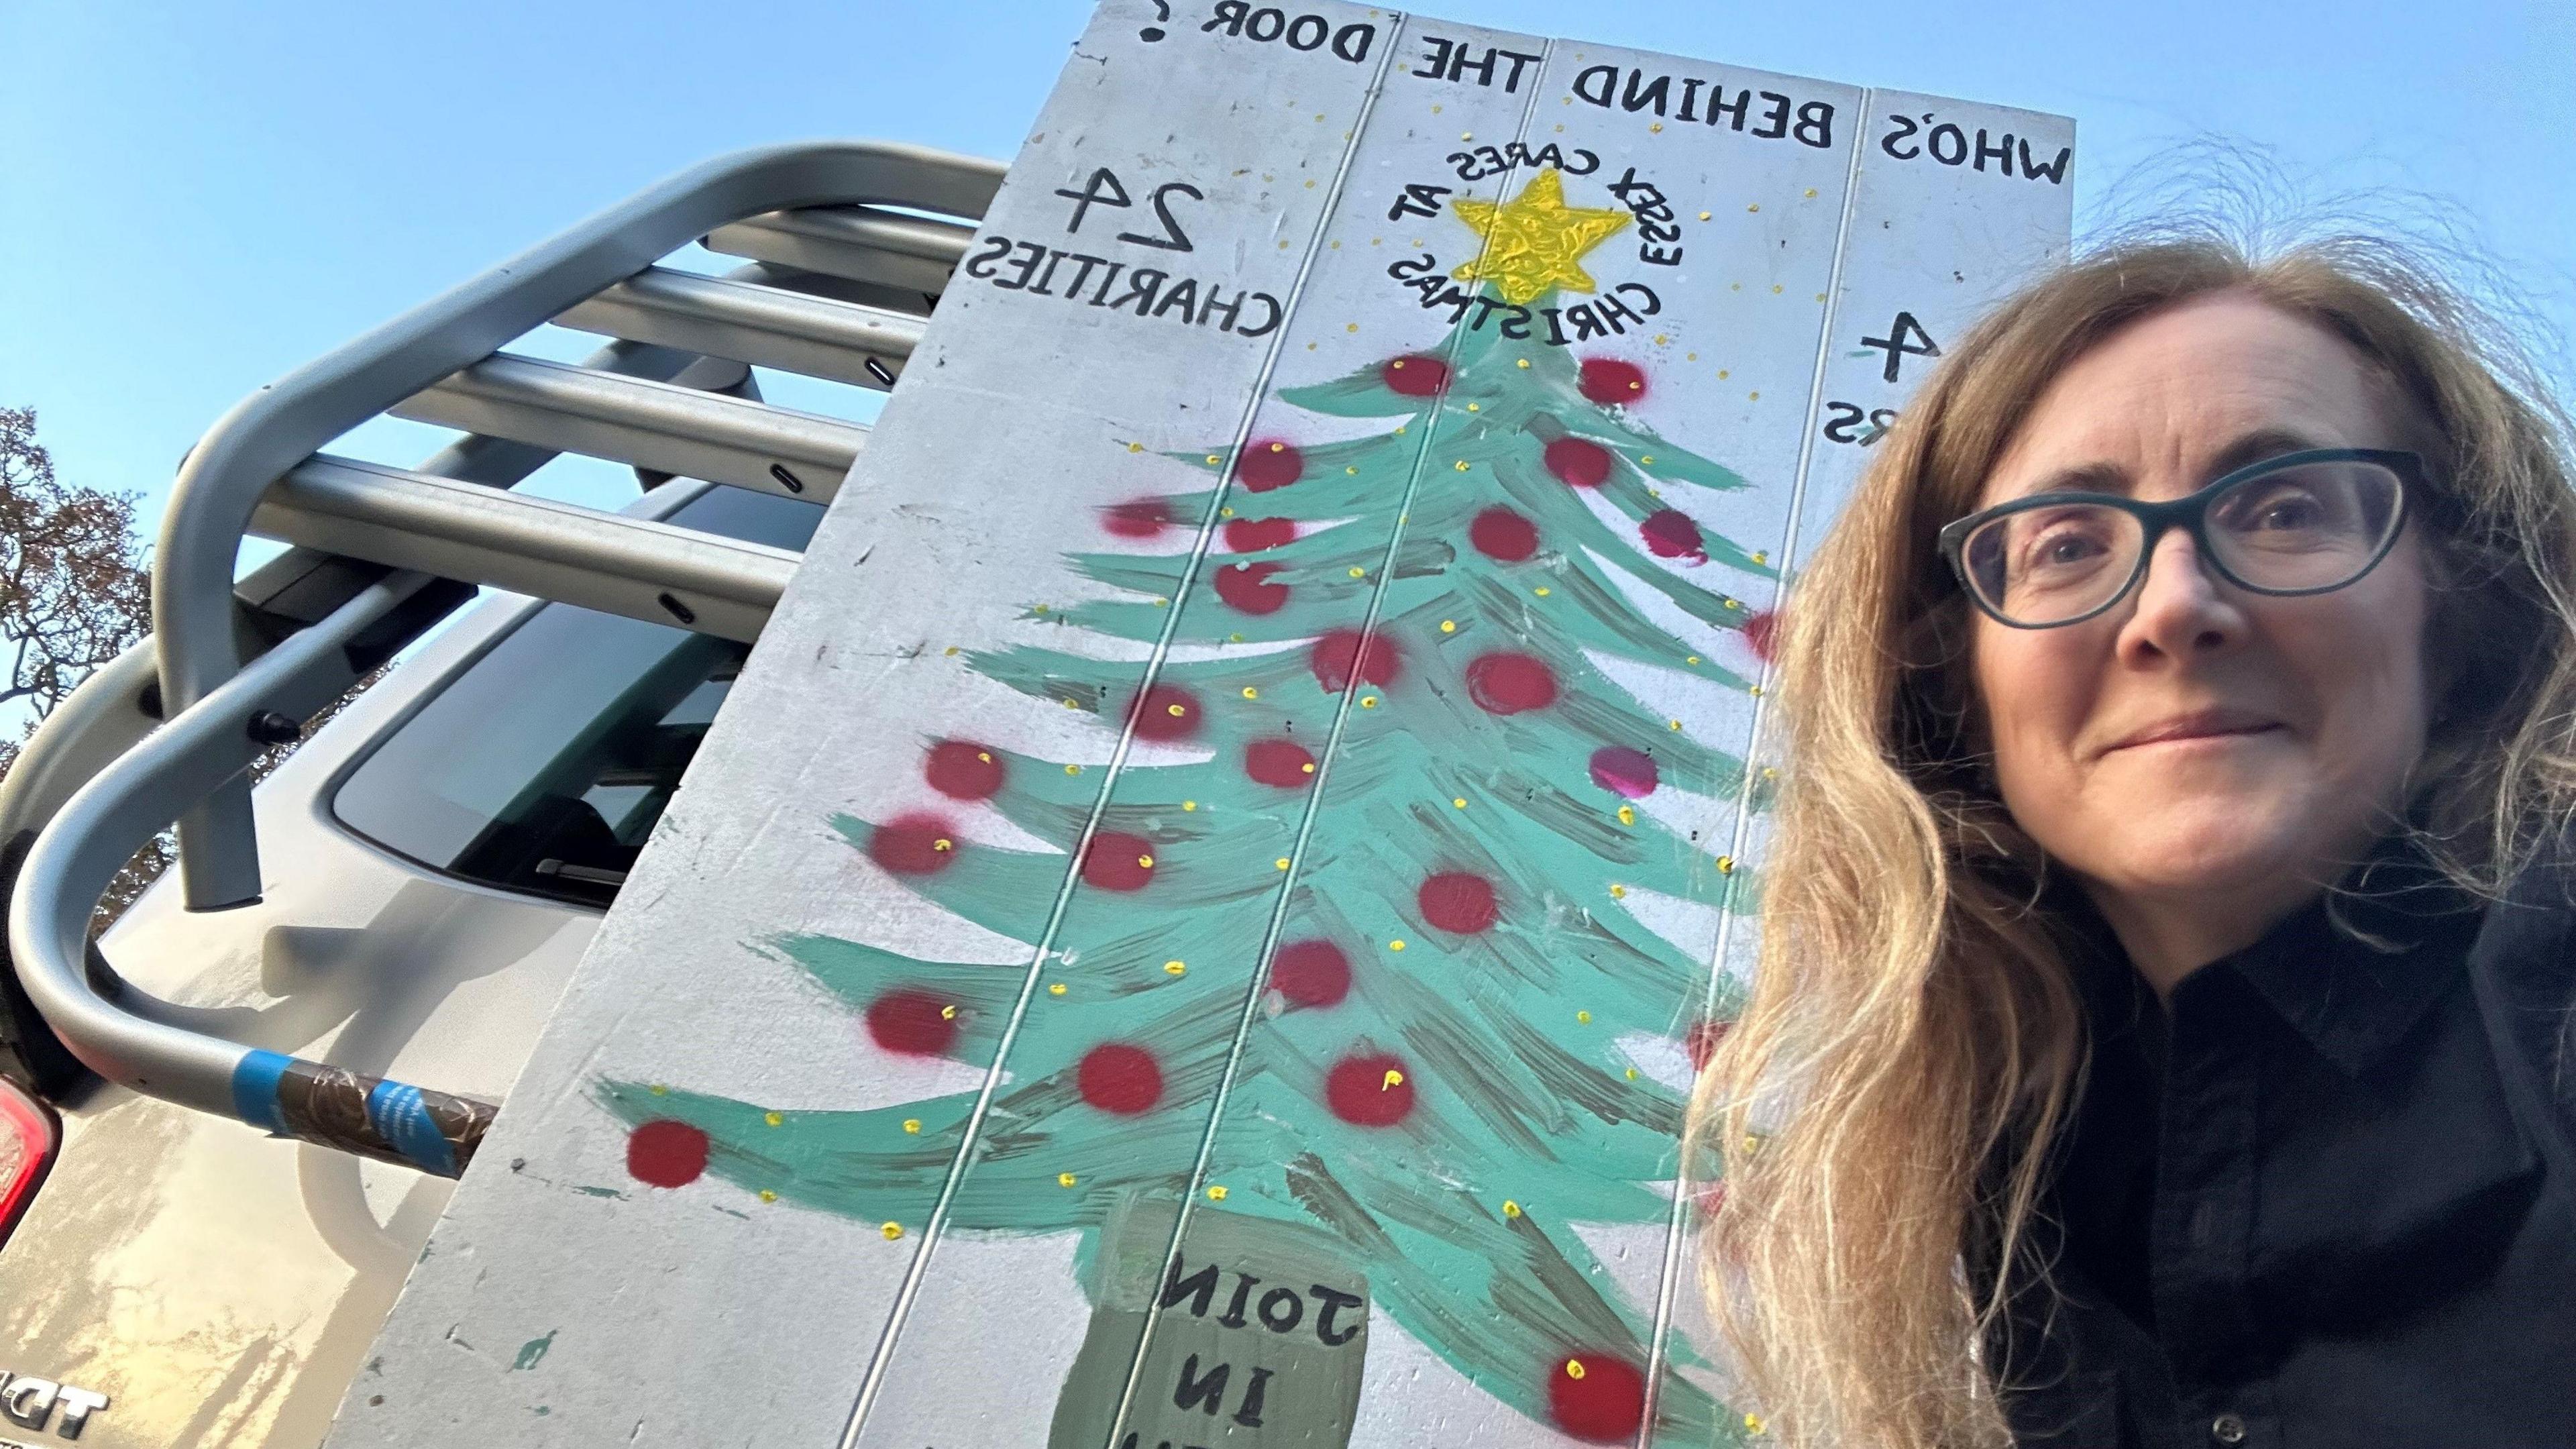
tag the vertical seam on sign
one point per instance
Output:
(1674, 1231)
(918, 1269)
(1323, 769)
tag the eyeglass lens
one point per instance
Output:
(2300, 529)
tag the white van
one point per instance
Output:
(401, 901)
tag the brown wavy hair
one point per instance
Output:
(1912, 1040)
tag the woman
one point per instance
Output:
(2159, 1031)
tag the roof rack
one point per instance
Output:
(837, 286)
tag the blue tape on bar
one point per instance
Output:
(255, 1089)
(402, 1119)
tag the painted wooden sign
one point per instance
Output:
(1196, 924)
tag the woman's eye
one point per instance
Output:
(2060, 544)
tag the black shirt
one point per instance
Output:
(2329, 1198)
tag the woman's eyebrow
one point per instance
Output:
(2254, 447)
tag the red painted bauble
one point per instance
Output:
(1670, 533)
(1283, 763)
(915, 1023)
(1623, 771)
(1167, 712)
(918, 844)
(1500, 534)
(1117, 1077)
(1608, 380)
(1578, 462)
(1510, 683)
(1252, 535)
(664, 1153)
(1458, 901)
(1598, 1398)
(1311, 973)
(1415, 375)
(1246, 587)
(1118, 861)
(1338, 655)
(964, 770)
(1137, 518)
(1369, 1089)
(1269, 464)
(1702, 1040)
(1762, 631)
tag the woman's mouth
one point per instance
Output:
(2205, 724)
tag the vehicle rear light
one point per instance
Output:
(28, 1137)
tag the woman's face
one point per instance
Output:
(2196, 743)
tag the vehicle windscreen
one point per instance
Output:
(543, 766)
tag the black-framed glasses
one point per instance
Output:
(2303, 523)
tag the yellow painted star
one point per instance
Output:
(1535, 241)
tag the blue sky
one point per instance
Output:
(198, 198)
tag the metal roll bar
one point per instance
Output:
(385, 551)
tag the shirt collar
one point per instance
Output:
(2351, 972)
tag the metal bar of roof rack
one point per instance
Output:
(677, 430)
(766, 326)
(861, 243)
(149, 1045)
(658, 572)
(269, 433)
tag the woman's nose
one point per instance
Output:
(2182, 609)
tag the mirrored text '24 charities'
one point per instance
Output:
(1085, 280)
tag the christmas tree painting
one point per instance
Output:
(1364, 890)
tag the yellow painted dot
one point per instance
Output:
(1359, 573)
(1040, 609)
(1776, 289)
(1308, 767)
(774, 1119)
(1066, 1179)
(1281, 862)
(950, 651)
(1721, 374)
(1473, 408)
(1648, 460)
(1225, 513)
(1703, 216)
(1690, 357)
(1175, 968)
(1753, 397)
(1769, 773)
(1071, 769)
(1726, 865)
(1753, 1423)
(1820, 296)
(1459, 801)
(1368, 701)
(1189, 804)
(892, 1231)
(1394, 1079)
(1511, 1209)
(1462, 465)
(1135, 447)
(1618, 893)
(948, 1013)
(1632, 1074)
(1283, 246)
(1574, 1368)
(1466, 135)
(767, 1195)
(1657, 126)
(1055, 988)
(1216, 1192)
(943, 843)
(1757, 206)
(1755, 689)
(1672, 724)
(1583, 1017)
(1162, 603)
(1145, 862)
(659, 1090)
(1661, 339)
(1759, 556)
(1310, 183)
(1251, 693)
(1524, 362)
(1212, 457)
(1627, 814)
(1811, 191)
(1234, 638)
(912, 1125)
(985, 755)
(1731, 603)
(1541, 591)
(1350, 327)
(1176, 710)
(1395, 945)
(1690, 659)
(1752, 1143)
(1399, 428)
